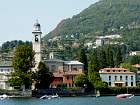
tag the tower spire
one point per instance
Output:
(36, 27)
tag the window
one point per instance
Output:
(69, 84)
(132, 78)
(109, 78)
(115, 78)
(1, 70)
(108, 70)
(126, 83)
(126, 78)
(53, 67)
(72, 78)
(113, 70)
(120, 78)
(74, 69)
(131, 83)
(68, 78)
(109, 83)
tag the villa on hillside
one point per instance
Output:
(118, 77)
(134, 53)
(64, 71)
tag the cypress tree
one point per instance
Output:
(102, 58)
(109, 56)
(93, 60)
(83, 59)
(119, 57)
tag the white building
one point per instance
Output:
(118, 77)
(134, 53)
(5, 70)
(100, 41)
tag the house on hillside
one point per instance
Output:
(118, 77)
(134, 53)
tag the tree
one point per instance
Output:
(118, 57)
(23, 61)
(128, 66)
(43, 77)
(81, 80)
(83, 59)
(109, 56)
(102, 57)
(9, 45)
(134, 59)
(93, 59)
(94, 78)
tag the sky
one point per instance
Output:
(18, 16)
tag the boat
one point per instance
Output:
(4, 96)
(120, 96)
(49, 96)
(97, 93)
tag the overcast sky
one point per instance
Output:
(18, 16)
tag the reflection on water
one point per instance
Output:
(74, 101)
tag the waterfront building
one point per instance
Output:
(118, 77)
(64, 71)
(5, 70)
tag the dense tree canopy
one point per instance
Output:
(81, 80)
(83, 59)
(10, 45)
(102, 18)
(23, 61)
(42, 77)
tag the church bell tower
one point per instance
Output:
(36, 43)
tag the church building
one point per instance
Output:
(63, 71)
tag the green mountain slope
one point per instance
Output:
(100, 18)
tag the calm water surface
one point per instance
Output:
(74, 101)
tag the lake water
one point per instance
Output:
(109, 100)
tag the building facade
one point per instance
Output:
(64, 71)
(134, 53)
(5, 70)
(118, 77)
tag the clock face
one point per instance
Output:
(36, 38)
